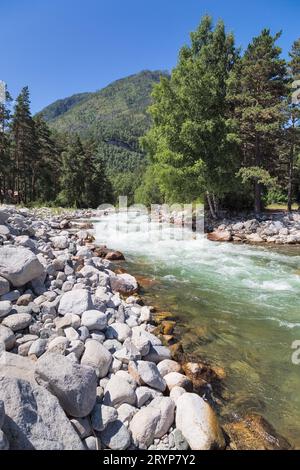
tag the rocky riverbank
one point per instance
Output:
(276, 228)
(280, 228)
(78, 348)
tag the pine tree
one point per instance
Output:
(24, 145)
(44, 176)
(5, 156)
(72, 180)
(293, 118)
(97, 189)
(190, 143)
(257, 87)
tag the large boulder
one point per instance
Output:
(97, 356)
(198, 423)
(34, 418)
(19, 265)
(73, 384)
(75, 301)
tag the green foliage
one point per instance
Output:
(83, 179)
(258, 174)
(257, 86)
(190, 143)
(148, 192)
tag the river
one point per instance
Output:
(237, 306)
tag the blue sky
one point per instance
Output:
(61, 47)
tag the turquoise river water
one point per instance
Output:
(237, 306)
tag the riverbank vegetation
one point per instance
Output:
(224, 124)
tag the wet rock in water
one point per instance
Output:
(201, 374)
(176, 350)
(124, 283)
(17, 321)
(76, 301)
(167, 327)
(114, 256)
(73, 384)
(254, 433)
(19, 265)
(220, 236)
(96, 356)
(34, 418)
(198, 423)
(116, 436)
(119, 391)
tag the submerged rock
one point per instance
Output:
(254, 433)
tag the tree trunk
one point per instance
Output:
(257, 197)
(291, 169)
(290, 182)
(257, 185)
(210, 204)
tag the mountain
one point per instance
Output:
(115, 117)
(60, 107)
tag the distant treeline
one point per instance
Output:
(40, 166)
